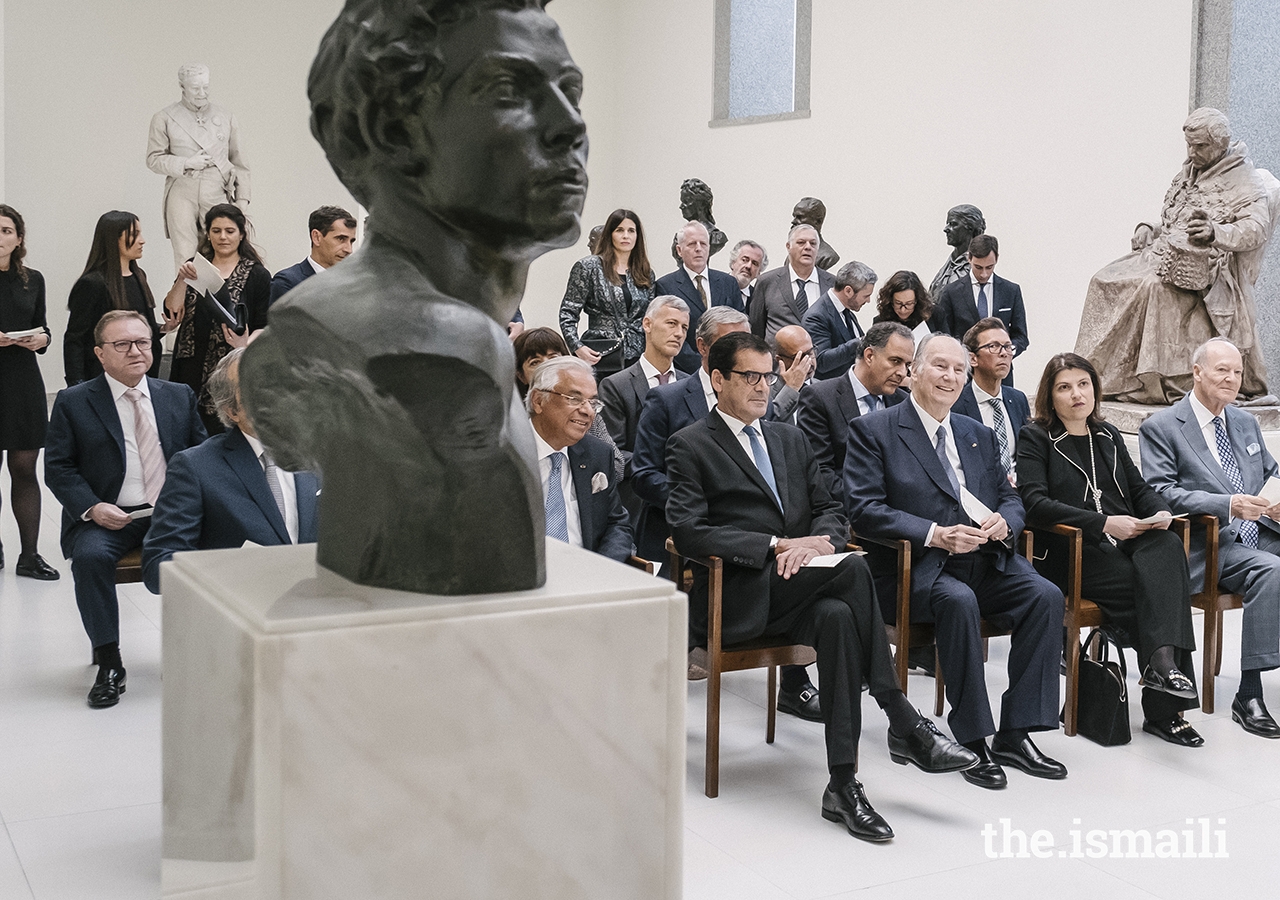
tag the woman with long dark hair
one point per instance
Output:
(24, 412)
(613, 287)
(903, 299)
(202, 342)
(112, 279)
(1074, 469)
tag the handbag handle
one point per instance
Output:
(1104, 642)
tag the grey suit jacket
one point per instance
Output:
(622, 394)
(774, 306)
(1177, 462)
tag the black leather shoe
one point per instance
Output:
(1176, 731)
(1254, 718)
(107, 688)
(1026, 756)
(850, 806)
(921, 658)
(929, 750)
(802, 703)
(35, 567)
(986, 774)
(1175, 683)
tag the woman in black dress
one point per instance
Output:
(1074, 469)
(23, 410)
(202, 343)
(112, 279)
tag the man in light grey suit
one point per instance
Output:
(1208, 457)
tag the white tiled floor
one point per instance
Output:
(80, 789)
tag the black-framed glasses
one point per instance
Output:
(998, 349)
(143, 345)
(574, 400)
(753, 378)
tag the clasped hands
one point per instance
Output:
(967, 538)
(31, 342)
(1251, 508)
(1122, 528)
(793, 554)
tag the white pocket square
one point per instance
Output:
(1253, 449)
(599, 482)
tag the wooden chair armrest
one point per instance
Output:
(1027, 545)
(1212, 529)
(1075, 559)
(643, 565)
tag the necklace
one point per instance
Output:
(1093, 485)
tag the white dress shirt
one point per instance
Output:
(931, 426)
(989, 417)
(738, 426)
(861, 393)
(707, 390)
(1204, 419)
(316, 268)
(566, 485)
(812, 293)
(991, 300)
(288, 488)
(132, 493)
(651, 372)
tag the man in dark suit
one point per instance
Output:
(749, 492)
(228, 490)
(1001, 408)
(784, 295)
(106, 453)
(666, 322)
(749, 259)
(579, 482)
(913, 472)
(698, 286)
(831, 321)
(333, 237)
(874, 382)
(980, 294)
(1207, 457)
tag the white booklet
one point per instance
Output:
(208, 279)
(19, 335)
(831, 560)
(973, 507)
(1270, 491)
(1157, 518)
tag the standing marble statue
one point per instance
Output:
(812, 211)
(1188, 279)
(964, 223)
(196, 146)
(456, 123)
(695, 206)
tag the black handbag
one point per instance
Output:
(611, 359)
(1103, 699)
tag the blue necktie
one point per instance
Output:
(762, 461)
(557, 512)
(1248, 530)
(982, 302)
(873, 403)
(941, 448)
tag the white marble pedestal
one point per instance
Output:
(327, 740)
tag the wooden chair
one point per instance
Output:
(759, 653)
(129, 568)
(640, 563)
(1214, 602)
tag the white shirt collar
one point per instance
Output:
(738, 425)
(859, 389)
(649, 369)
(705, 273)
(255, 445)
(545, 449)
(1203, 416)
(813, 276)
(983, 396)
(840, 307)
(705, 378)
(315, 266)
(118, 389)
(929, 422)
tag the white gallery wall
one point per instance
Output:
(1060, 121)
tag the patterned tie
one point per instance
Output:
(801, 295)
(982, 302)
(1248, 530)
(941, 447)
(852, 324)
(1002, 436)
(273, 483)
(664, 377)
(150, 453)
(762, 460)
(702, 292)
(557, 512)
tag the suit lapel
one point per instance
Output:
(847, 400)
(728, 442)
(970, 459)
(1196, 440)
(1250, 466)
(104, 405)
(166, 427)
(639, 384)
(912, 432)
(778, 460)
(306, 486)
(691, 292)
(242, 461)
(694, 397)
(582, 487)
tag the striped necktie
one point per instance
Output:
(150, 453)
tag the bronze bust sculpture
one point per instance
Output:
(695, 206)
(456, 123)
(964, 223)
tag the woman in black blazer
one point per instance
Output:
(1074, 469)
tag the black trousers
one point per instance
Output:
(1143, 586)
(835, 612)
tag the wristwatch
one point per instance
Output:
(773, 542)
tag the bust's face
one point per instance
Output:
(507, 148)
(958, 232)
(195, 89)
(1202, 149)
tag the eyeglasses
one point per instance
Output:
(998, 349)
(904, 306)
(753, 378)
(143, 345)
(576, 401)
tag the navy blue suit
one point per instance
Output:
(215, 497)
(1016, 409)
(723, 290)
(955, 312)
(835, 345)
(84, 465)
(606, 526)
(287, 279)
(889, 498)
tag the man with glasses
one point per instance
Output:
(579, 482)
(979, 294)
(107, 451)
(749, 491)
(1002, 408)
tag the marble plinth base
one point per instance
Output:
(1128, 417)
(327, 740)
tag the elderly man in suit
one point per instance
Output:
(106, 454)
(831, 321)
(579, 484)
(228, 490)
(333, 237)
(1207, 457)
(783, 295)
(700, 287)
(666, 322)
(196, 146)
(874, 382)
(919, 473)
(979, 294)
(1002, 408)
(749, 259)
(749, 491)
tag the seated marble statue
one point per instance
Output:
(456, 123)
(1189, 278)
